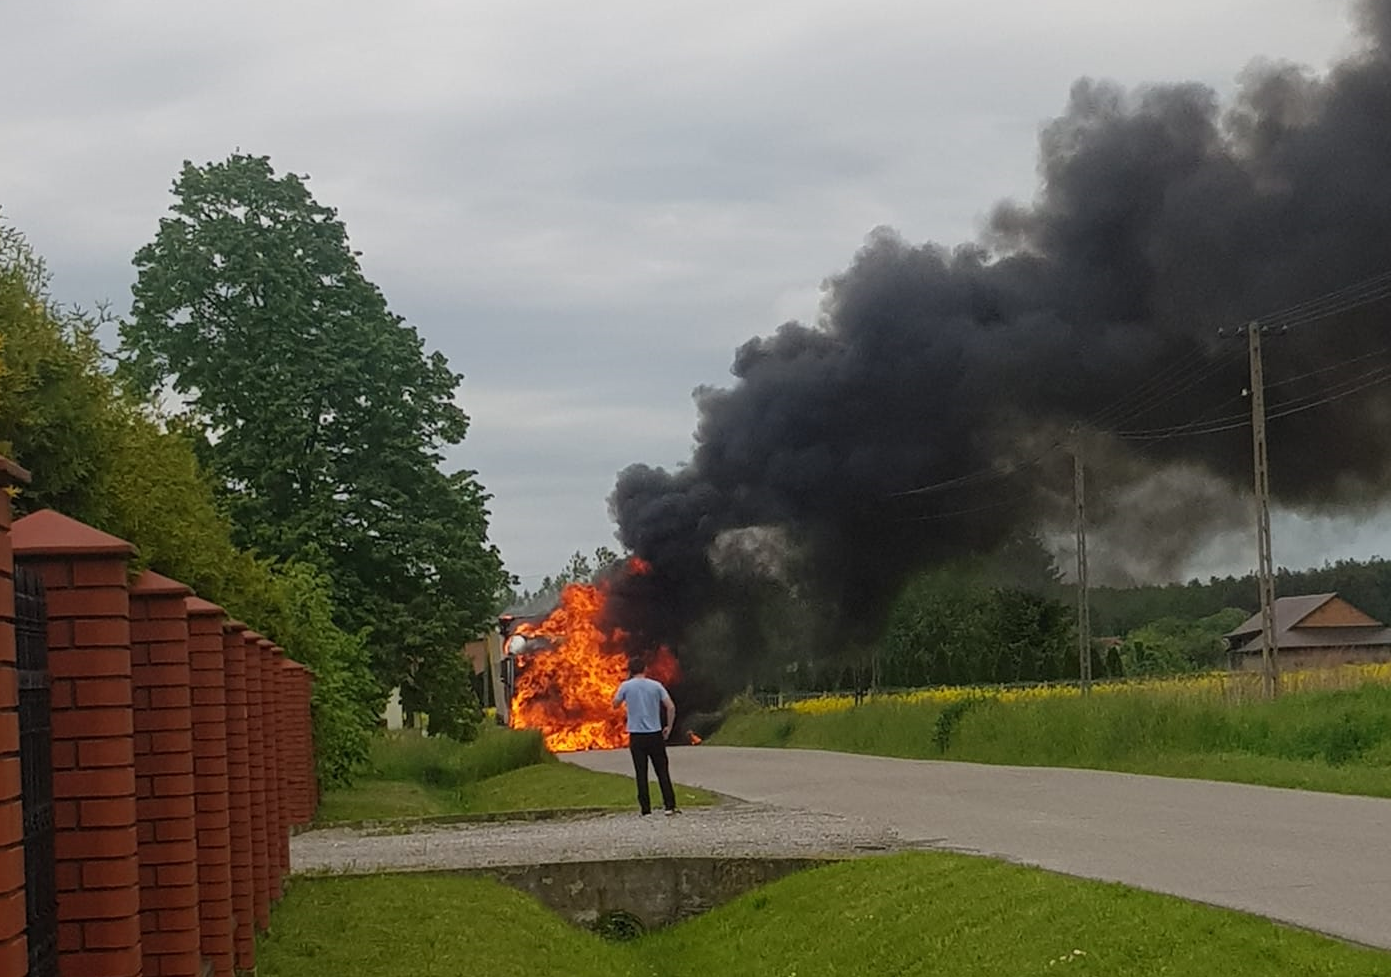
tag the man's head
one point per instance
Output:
(636, 667)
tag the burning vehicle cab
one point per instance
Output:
(556, 672)
(513, 651)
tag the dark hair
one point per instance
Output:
(636, 666)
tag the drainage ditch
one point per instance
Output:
(623, 898)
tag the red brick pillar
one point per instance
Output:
(239, 796)
(256, 739)
(164, 783)
(311, 774)
(14, 951)
(98, 869)
(287, 760)
(210, 781)
(289, 721)
(270, 674)
(296, 684)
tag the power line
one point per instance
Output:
(1336, 302)
(1298, 405)
(1145, 388)
(1160, 388)
(973, 509)
(1214, 367)
(1374, 377)
(1160, 433)
(1332, 303)
(980, 475)
(1197, 428)
(1130, 408)
(1379, 351)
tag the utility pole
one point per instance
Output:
(1084, 621)
(1265, 573)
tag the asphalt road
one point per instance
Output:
(1321, 861)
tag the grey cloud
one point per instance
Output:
(614, 193)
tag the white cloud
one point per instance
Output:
(594, 202)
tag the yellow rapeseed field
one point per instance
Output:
(1230, 686)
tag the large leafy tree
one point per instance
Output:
(325, 419)
(102, 456)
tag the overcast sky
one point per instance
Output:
(586, 207)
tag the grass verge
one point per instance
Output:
(918, 913)
(504, 770)
(1336, 741)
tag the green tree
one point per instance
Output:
(56, 406)
(102, 457)
(324, 420)
(578, 569)
(956, 626)
(1171, 645)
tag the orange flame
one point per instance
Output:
(567, 691)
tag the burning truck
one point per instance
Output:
(557, 672)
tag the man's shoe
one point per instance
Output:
(644, 813)
(670, 811)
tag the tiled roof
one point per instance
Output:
(1289, 611)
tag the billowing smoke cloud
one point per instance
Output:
(1162, 216)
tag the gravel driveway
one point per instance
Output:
(733, 829)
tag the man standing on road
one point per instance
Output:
(646, 699)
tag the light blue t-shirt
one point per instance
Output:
(643, 697)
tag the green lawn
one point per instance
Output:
(502, 772)
(1336, 741)
(919, 913)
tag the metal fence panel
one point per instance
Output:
(36, 773)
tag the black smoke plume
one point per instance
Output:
(1162, 215)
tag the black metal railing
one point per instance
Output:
(36, 773)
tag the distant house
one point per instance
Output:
(475, 654)
(1313, 631)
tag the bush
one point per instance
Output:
(439, 761)
(950, 718)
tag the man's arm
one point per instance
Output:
(617, 696)
(671, 715)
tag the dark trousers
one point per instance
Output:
(651, 746)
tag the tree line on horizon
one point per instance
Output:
(1010, 618)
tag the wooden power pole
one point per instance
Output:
(1265, 572)
(1084, 621)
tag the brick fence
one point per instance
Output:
(182, 758)
(14, 949)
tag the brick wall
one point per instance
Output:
(256, 738)
(283, 759)
(297, 714)
(310, 799)
(167, 829)
(182, 754)
(239, 796)
(270, 692)
(97, 867)
(13, 948)
(207, 670)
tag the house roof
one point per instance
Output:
(1328, 638)
(1289, 611)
